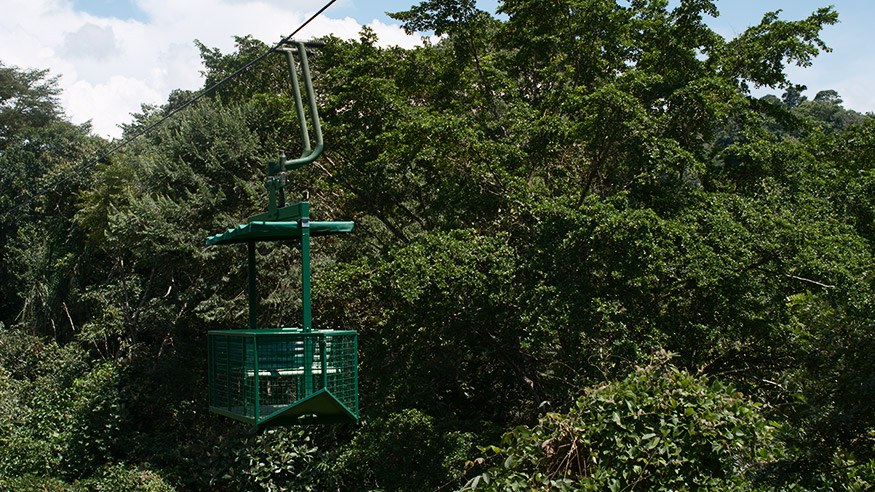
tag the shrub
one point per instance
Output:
(403, 451)
(660, 428)
(122, 477)
(273, 460)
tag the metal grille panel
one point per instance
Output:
(257, 373)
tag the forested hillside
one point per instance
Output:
(585, 258)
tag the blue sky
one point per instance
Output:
(849, 68)
(113, 55)
(120, 9)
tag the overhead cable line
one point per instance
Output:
(142, 132)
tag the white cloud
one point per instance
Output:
(113, 101)
(90, 41)
(393, 35)
(109, 67)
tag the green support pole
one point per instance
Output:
(355, 372)
(311, 96)
(299, 105)
(304, 223)
(305, 273)
(253, 302)
(308, 155)
(228, 379)
(323, 357)
(253, 321)
(257, 392)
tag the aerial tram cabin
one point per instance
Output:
(286, 376)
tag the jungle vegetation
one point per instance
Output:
(585, 258)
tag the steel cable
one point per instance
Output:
(142, 132)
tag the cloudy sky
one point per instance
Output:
(113, 55)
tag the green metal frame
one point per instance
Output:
(268, 377)
(276, 169)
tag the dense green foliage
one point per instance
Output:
(545, 206)
(659, 428)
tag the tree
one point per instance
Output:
(28, 100)
(826, 111)
(38, 148)
(793, 97)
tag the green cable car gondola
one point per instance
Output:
(269, 377)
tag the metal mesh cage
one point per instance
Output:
(284, 376)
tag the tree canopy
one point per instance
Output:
(585, 257)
